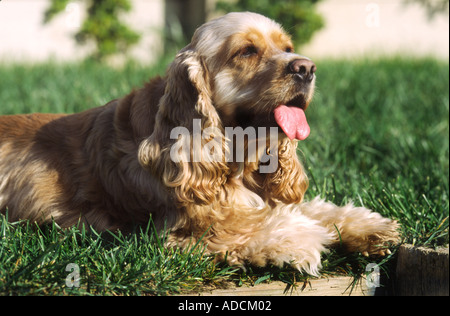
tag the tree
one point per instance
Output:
(102, 26)
(298, 17)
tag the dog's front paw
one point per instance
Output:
(379, 242)
(374, 237)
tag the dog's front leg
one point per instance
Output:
(358, 228)
(277, 236)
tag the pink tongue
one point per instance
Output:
(292, 121)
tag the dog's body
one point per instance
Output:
(112, 167)
(80, 167)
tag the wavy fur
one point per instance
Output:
(111, 167)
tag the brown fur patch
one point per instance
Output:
(111, 167)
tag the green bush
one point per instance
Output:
(102, 26)
(299, 17)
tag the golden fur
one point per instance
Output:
(110, 167)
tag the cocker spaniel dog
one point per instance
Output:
(208, 151)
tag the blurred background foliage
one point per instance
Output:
(433, 7)
(102, 26)
(299, 17)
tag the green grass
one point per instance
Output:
(379, 137)
(35, 261)
(69, 88)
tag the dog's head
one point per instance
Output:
(239, 70)
(253, 70)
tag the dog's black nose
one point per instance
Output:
(303, 69)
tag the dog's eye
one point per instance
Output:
(289, 50)
(249, 51)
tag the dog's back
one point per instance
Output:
(81, 167)
(34, 151)
(49, 165)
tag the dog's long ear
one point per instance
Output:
(186, 125)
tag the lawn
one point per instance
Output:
(379, 137)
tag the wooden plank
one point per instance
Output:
(422, 271)
(336, 286)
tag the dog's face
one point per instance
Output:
(253, 69)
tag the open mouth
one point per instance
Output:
(299, 101)
(291, 118)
